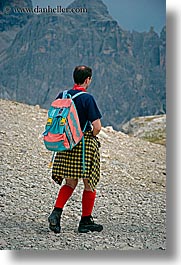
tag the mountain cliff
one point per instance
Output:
(128, 68)
(11, 22)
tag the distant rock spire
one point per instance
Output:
(15, 3)
(95, 7)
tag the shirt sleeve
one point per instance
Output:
(93, 112)
(59, 95)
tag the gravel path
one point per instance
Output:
(131, 196)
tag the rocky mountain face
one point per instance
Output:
(10, 22)
(130, 201)
(128, 67)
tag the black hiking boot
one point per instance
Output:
(54, 220)
(87, 224)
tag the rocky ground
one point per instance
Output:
(151, 128)
(131, 196)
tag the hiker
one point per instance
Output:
(68, 164)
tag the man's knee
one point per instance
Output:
(86, 185)
(72, 183)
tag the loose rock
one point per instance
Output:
(131, 195)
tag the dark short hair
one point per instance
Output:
(81, 73)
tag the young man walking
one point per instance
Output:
(68, 164)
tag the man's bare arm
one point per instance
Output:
(96, 127)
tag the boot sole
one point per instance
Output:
(55, 229)
(90, 228)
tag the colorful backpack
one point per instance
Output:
(62, 130)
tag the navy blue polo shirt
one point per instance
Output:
(86, 108)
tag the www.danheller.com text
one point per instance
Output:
(48, 9)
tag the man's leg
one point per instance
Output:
(63, 196)
(65, 192)
(88, 198)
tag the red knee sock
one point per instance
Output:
(63, 196)
(88, 199)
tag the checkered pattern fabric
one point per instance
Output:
(68, 164)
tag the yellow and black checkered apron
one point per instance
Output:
(69, 164)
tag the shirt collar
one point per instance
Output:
(78, 87)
